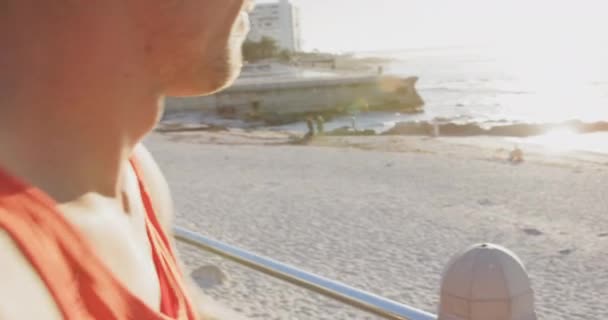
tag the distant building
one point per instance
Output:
(279, 21)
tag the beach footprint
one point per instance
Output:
(208, 277)
(485, 202)
(532, 232)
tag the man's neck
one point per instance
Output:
(71, 134)
(65, 154)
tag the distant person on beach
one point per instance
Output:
(311, 129)
(516, 155)
(320, 122)
(85, 213)
(353, 123)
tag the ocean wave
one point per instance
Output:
(493, 128)
(472, 90)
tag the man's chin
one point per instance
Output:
(205, 86)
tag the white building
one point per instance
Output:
(279, 21)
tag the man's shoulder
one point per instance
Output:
(13, 263)
(10, 255)
(156, 185)
(21, 285)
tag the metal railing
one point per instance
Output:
(359, 299)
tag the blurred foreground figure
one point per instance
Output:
(85, 214)
(486, 282)
(516, 155)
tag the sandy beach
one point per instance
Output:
(385, 214)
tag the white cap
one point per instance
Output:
(486, 282)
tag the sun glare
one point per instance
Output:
(566, 140)
(558, 140)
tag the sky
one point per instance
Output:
(379, 25)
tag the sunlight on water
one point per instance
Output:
(558, 140)
(564, 140)
(551, 82)
(561, 80)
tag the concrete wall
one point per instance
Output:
(280, 101)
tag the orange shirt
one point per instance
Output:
(84, 288)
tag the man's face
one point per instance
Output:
(193, 46)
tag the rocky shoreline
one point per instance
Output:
(429, 128)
